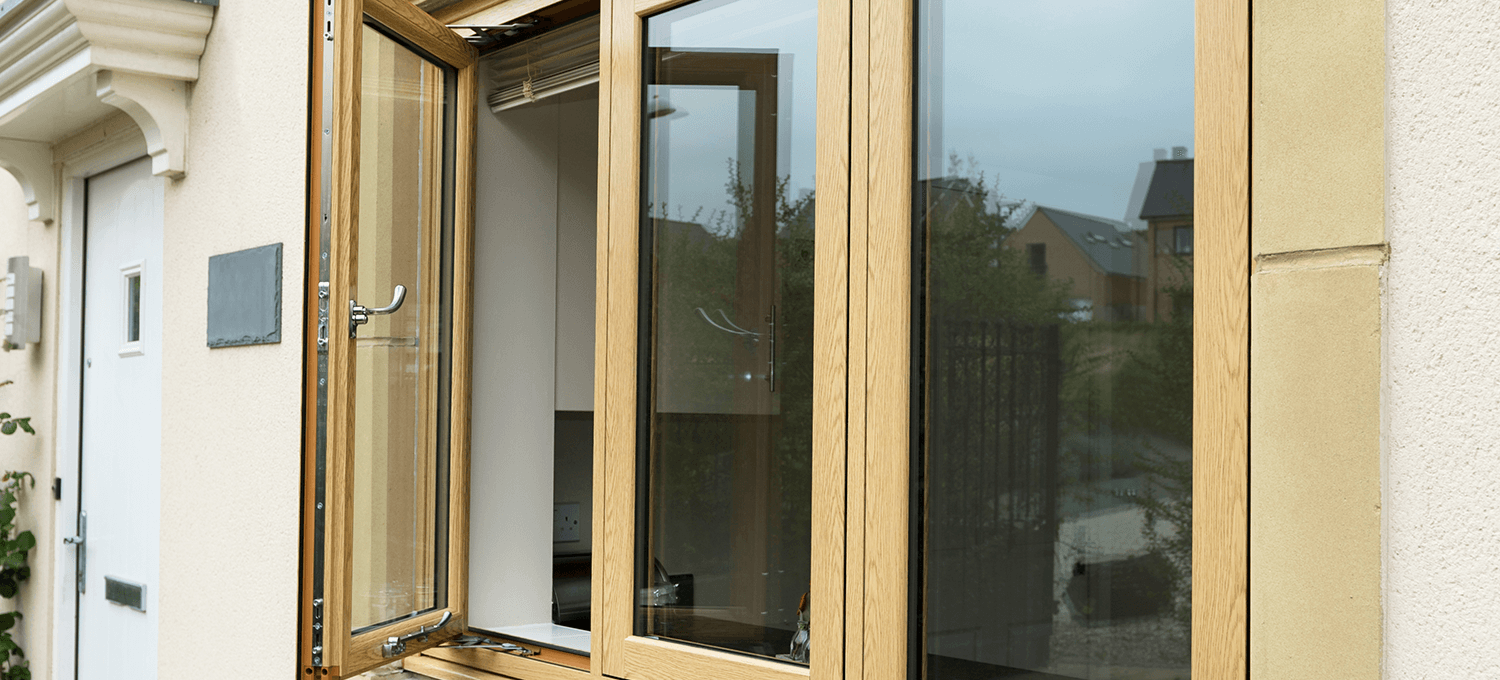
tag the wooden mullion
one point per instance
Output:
(462, 332)
(830, 518)
(888, 292)
(1221, 342)
(602, 644)
(624, 105)
(858, 325)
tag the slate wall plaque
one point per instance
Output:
(244, 297)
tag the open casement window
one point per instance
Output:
(386, 527)
(725, 363)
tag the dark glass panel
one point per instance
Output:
(1053, 460)
(727, 195)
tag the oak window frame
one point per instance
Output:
(619, 652)
(861, 522)
(328, 645)
(883, 124)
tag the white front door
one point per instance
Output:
(120, 461)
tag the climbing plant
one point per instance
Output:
(14, 549)
(10, 424)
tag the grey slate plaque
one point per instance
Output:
(244, 297)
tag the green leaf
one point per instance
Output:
(8, 427)
(25, 541)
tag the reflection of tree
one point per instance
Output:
(1034, 424)
(970, 272)
(710, 368)
(992, 382)
(1156, 384)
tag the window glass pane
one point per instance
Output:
(133, 308)
(398, 413)
(727, 191)
(1053, 459)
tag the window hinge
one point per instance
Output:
(322, 316)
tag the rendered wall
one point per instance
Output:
(1318, 241)
(33, 394)
(232, 418)
(1442, 583)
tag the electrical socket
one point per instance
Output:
(564, 522)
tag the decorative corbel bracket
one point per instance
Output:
(31, 164)
(160, 107)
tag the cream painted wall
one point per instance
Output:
(231, 447)
(1442, 375)
(32, 394)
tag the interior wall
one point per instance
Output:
(577, 197)
(533, 312)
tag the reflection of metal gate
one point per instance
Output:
(992, 487)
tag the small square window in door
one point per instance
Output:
(131, 278)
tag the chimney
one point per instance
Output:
(1159, 154)
(1179, 153)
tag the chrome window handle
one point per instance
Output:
(360, 314)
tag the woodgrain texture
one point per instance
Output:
(830, 340)
(488, 12)
(420, 28)
(623, 80)
(556, 666)
(651, 659)
(859, 233)
(343, 249)
(434, 667)
(617, 651)
(1221, 340)
(460, 410)
(308, 548)
(645, 8)
(888, 377)
(601, 644)
(348, 654)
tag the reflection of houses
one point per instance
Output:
(1100, 258)
(1168, 213)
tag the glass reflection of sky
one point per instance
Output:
(701, 136)
(1059, 102)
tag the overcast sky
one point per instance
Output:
(1057, 101)
(1060, 101)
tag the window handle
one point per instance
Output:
(360, 314)
(771, 348)
(397, 645)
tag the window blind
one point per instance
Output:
(554, 62)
